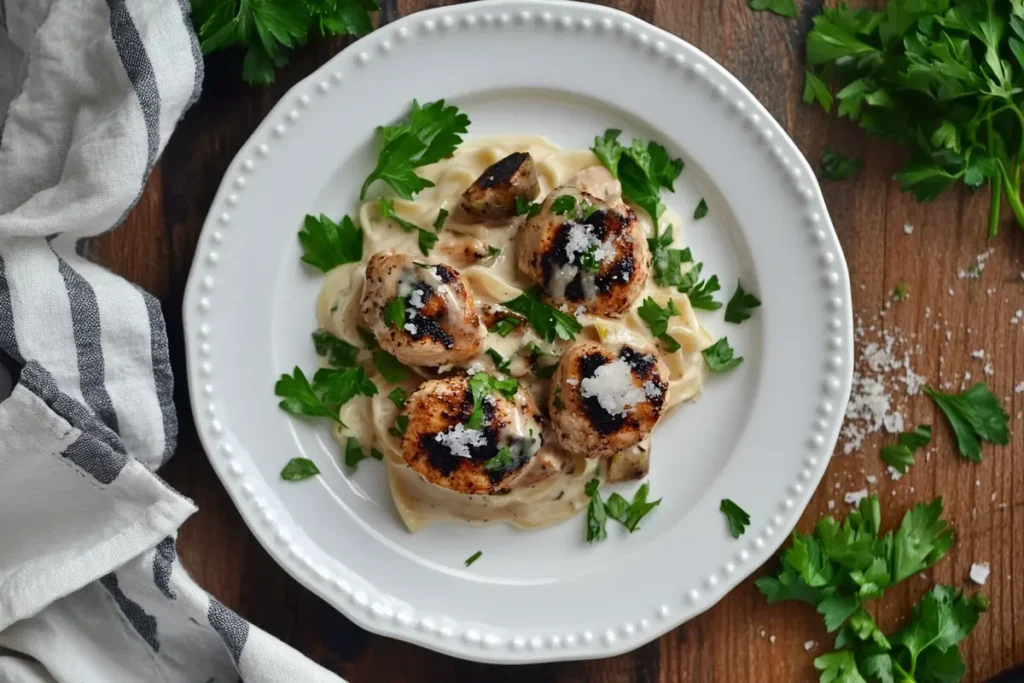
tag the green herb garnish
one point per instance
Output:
(398, 397)
(504, 326)
(389, 367)
(432, 133)
(401, 424)
(597, 516)
(474, 557)
(975, 416)
(741, 305)
(526, 208)
(548, 321)
(500, 362)
(667, 261)
(656, 318)
(900, 292)
(719, 356)
(502, 460)
(327, 245)
(642, 169)
(737, 517)
(425, 239)
(626, 513)
(480, 386)
(353, 453)
(784, 8)
(701, 210)
(442, 216)
(563, 204)
(338, 352)
(836, 166)
(298, 469)
(394, 313)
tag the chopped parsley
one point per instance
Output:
(557, 399)
(425, 239)
(784, 8)
(719, 356)
(741, 305)
(504, 326)
(500, 362)
(545, 371)
(398, 397)
(975, 416)
(588, 259)
(642, 169)
(502, 460)
(737, 517)
(492, 251)
(338, 352)
(548, 321)
(626, 513)
(656, 318)
(525, 208)
(900, 455)
(900, 292)
(327, 245)
(481, 385)
(700, 291)
(432, 133)
(667, 261)
(299, 397)
(563, 204)
(389, 367)
(701, 210)
(587, 210)
(353, 453)
(401, 424)
(298, 469)
(338, 387)
(369, 341)
(836, 166)
(394, 313)
(442, 216)
(474, 557)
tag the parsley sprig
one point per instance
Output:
(643, 169)
(900, 455)
(656, 318)
(627, 513)
(324, 396)
(720, 356)
(425, 239)
(943, 79)
(432, 133)
(327, 245)
(480, 386)
(270, 29)
(548, 321)
(741, 305)
(736, 516)
(975, 416)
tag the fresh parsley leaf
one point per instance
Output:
(298, 469)
(900, 292)
(557, 400)
(719, 356)
(922, 540)
(353, 453)
(700, 292)
(545, 371)
(837, 667)
(500, 362)
(338, 387)
(587, 210)
(701, 210)
(667, 262)
(548, 321)
(597, 517)
(480, 386)
(642, 169)
(898, 456)
(401, 424)
(338, 352)
(524, 207)
(588, 259)
(394, 313)
(617, 507)
(268, 30)
(398, 397)
(389, 367)
(656, 318)
(741, 306)
(639, 507)
(492, 251)
(919, 438)
(563, 204)
(816, 90)
(299, 398)
(425, 239)
(836, 166)
(431, 134)
(737, 517)
(375, 454)
(940, 621)
(975, 416)
(474, 557)
(503, 326)
(327, 245)
(501, 460)
(442, 216)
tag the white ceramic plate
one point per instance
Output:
(761, 435)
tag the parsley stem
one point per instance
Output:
(1012, 187)
(996, 194)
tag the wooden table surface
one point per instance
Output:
(742, 638)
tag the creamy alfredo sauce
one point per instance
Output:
(493, 280)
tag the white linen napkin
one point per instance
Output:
(90, 587)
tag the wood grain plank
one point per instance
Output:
(155, 248)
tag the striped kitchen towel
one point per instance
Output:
(91, 590)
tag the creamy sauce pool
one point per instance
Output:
(493, 280)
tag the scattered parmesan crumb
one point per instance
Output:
(894, 474)
(951, 291)
(809, 645)
(979, 573)
(458, 439)
(762, 633)
(989, 370)
(855, 497)
(831, 505)
(871, 478)
(771, 639)
(1019, 389)
(908, 229)
(979, 354)
(416, 298)
(410, 328)
(474, 368)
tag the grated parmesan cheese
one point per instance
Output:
(855, 497)
(809, 645)
(612, 385)
(980, 572)
(416, 298)
(410, 328)
(458, 439)
(908, 229)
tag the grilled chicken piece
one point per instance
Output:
(591, 253)
(440, 323)
(493, 195)
(606, 400)
(443, 450)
